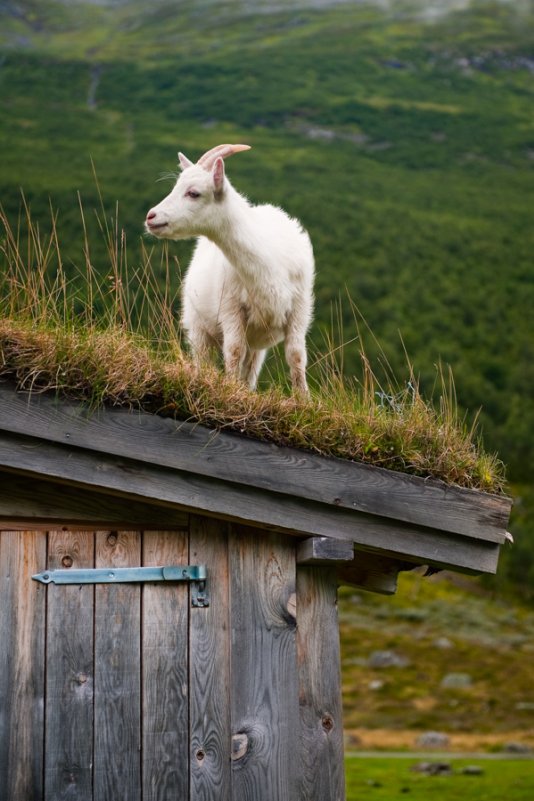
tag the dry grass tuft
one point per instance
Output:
(130, 354)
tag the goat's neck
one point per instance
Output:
(237, 235)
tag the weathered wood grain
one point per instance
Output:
(69, 672)
(165, 680)
(192, 448)
(321, 734)
(42, 504)
(372, 572)
(264, 686)
(239, 502)
(324, 550)
(209, 671)
(22, 658)
(117, 770)
(367, 571)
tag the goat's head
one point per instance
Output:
(191, 208)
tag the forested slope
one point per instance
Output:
(402, 136)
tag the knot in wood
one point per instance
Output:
(67, 561)
(112, 538)
(200, 754)
(239, 746)
(327, 723)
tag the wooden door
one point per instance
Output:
(129, 692)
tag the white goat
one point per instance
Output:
(250, 282)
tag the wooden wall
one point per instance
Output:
(128, 692)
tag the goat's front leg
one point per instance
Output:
(234, 345)
(201, 344)
(252, 365)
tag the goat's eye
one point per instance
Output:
(192, 193)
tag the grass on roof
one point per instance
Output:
(110, 336)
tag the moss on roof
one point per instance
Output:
(117, 367)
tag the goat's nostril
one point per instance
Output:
(151, 215)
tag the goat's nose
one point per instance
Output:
(151, 214)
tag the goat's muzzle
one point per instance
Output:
(151, 223)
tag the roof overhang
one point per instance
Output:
(156, 468)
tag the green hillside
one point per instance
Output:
(402, 136)
(439, 656)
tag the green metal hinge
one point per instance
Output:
(197, 574)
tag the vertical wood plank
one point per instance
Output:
(165, 618)
(117, 769)
(321, 744)
(22, 655)
(265, 717)
(210, 740)
(69, 672)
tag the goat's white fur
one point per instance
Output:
(249, 284)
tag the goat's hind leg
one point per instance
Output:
(295, 344)
(295, 349)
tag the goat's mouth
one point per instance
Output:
(156, 226)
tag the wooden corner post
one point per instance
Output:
(319, 674)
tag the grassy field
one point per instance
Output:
(392, 779)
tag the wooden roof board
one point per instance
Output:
(154, 460)
(231, 457)
(296, 516)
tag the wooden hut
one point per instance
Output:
(209, 671)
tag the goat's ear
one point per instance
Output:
(184, 161)
(218, 176)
